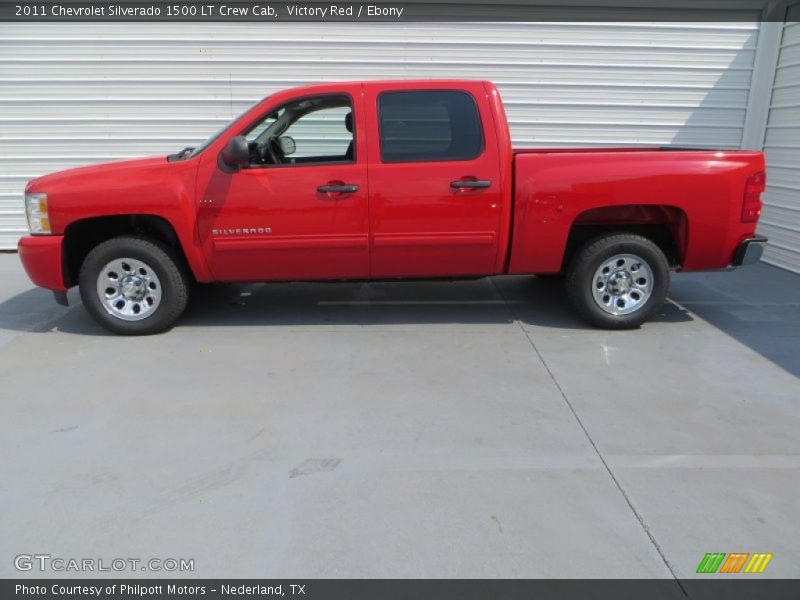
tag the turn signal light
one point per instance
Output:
(36, 211)
(751, 204)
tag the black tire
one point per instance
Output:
(586, 262)
(168, 267)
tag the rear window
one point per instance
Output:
(429, 126)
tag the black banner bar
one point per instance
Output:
(715, 587)
(389, 11)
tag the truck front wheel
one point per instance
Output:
(133, 286)
(618, 281)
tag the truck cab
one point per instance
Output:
(406, 184)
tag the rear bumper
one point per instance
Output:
(42, 258)
(749, 251)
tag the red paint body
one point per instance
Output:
(405, 220)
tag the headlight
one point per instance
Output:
(36, 211)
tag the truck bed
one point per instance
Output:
(559, 189)
(614, 149)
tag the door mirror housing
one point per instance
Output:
(237, 153)
(287, 144)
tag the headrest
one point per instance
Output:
(348, 122)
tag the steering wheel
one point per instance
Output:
(273, 149)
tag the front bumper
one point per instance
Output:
(42, 258)
(749, 251)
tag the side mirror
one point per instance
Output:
(287, 144)
(237, 153)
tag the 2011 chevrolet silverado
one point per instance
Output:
(388, 180)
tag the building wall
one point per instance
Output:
(73, 94)
(781, 219)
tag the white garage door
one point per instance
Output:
(781, 219)
(73, 94)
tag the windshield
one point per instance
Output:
(211, 139)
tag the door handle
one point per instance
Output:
(470, 184)
(338, 188)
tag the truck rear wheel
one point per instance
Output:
(618, 281)
(133, 286)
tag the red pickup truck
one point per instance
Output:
(388, 180)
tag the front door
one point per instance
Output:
(435, 189)
(299, 209)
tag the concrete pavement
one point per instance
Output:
(427, 429)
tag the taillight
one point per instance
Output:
(751, 203)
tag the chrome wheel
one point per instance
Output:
(129, 289)
(622, 284)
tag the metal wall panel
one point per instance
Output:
(78, 93)
(781, 219)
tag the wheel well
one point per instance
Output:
(665, 226)
(82, 236)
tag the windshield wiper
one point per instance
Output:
(185, 153)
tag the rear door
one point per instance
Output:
(434, 176)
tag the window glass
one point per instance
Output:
(309, 130)
(263, 125)
(429, 126)
(211, 139)
(321, 133)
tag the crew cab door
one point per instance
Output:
(434, 172)
(297, 215)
